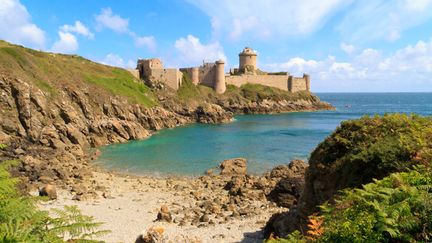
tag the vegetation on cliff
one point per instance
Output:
(21, 221)
(365, 149)
(245, 94)
(52, 72)
(381, 165)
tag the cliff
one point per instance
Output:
(359, 152)
(55, 108)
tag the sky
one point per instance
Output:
(345, 45)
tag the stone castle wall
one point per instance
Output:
(277, 81)
(207, 74)
(296, 84)
(213, 74)
(170, 76)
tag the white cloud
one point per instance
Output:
(16, 25)
(106, 19)
(193, 52)
(117, 61)
(347, 48)
(383, 19)
(408, 69)
(67, 43)
(147, 41)
(78, 28)
(268, 18)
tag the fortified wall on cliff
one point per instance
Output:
(213, 74)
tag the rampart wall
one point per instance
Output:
(277, 81)
(207, 74)
(296, 84)
(171, 76)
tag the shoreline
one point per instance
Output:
(134, 201)
(150, 174)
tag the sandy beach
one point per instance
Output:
(130, 204)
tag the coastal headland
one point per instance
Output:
(56, 108)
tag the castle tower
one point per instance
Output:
(290, 83)
(247, 61)
(219, 81)
(306, 77)
(195, 75)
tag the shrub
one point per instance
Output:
(397, 209)
(21, 221)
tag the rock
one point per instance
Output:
(107, 195)
(79, 189)
(164, 214)
(48, 191)
(298, 167)
(4, 138)
(45, 179)
(235, 185)
(212, 113)
(281, 224)
(19, 151)
(204, 218)
(294, 168)
(153, 235)
(209, 172)
(287, 191)
(235, 166)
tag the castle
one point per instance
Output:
(213, 74)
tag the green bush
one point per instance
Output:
(395, 209)
(382, 164)
(374, 147)
(21, 221)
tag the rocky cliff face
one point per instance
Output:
(52, 135)
(51, 117)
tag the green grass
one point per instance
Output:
(258, 92)
(52, 72)
(246, 93)
(121, 83)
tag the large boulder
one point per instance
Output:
(164, 214)
(287, 191)
(289, 183)
(235, 166)
(48, 191)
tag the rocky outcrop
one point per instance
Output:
(52, 133)
(212, 113)
(215, 199)
(267, 106)
(235, 166)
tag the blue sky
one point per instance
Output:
(346, 45)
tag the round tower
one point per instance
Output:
(307, 80)
(219, 81)
(247, 61)
(195, 75)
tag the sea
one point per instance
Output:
(264, 140)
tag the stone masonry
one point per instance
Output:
(213, 74)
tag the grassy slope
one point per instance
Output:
(50, 72)
(247, 92)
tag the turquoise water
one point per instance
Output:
(265, 140)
